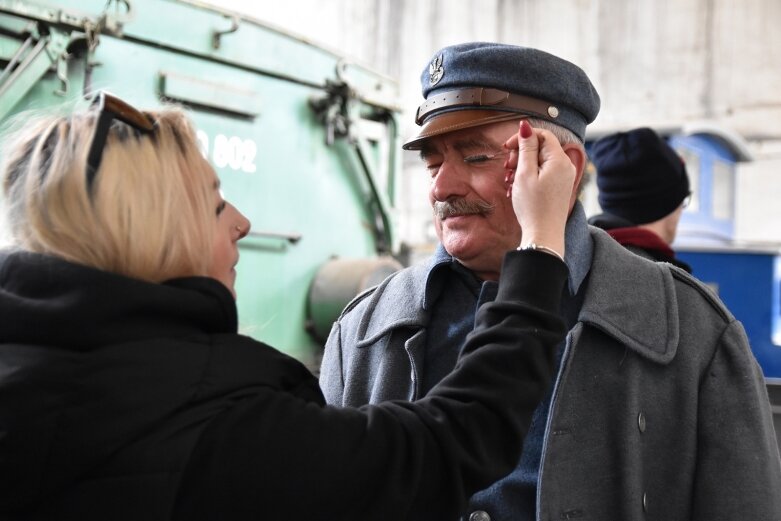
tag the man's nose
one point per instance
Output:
(451, 180)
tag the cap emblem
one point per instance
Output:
(553, 112)
(435, 70)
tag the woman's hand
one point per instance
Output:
(542, 178)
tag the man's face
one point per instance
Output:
(473, 216)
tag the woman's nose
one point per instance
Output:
(245, 227)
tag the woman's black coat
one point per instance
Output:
(125, 400)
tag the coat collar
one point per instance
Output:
(578, 257)
(631, 299)
(622, 298)
(46, 300)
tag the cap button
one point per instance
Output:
(553, 112)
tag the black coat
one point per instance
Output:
(125, 400)
(637, 239)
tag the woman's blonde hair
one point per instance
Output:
(150, 213)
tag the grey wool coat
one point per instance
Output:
(659, 411)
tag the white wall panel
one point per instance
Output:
(661, 63)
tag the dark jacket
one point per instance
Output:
(125, 400)
(659, 411)
(637, 239)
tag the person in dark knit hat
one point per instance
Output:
(643, 190)
(652, 361)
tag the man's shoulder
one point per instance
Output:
(620, 264)
(691, 289)
(406, 284)
(649, 306)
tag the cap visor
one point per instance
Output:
(457, 120)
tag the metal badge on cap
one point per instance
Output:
(435, 70)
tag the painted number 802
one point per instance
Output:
(229, 151)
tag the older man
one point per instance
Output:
(659, 410)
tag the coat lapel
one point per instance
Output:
(631, 299)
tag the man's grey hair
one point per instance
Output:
(564, 135)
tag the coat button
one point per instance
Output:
(479, 515)
(641, 422)
(645, 502)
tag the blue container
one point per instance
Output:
(748, 281)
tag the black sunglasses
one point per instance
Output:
(109, 108)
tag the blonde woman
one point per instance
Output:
(126, 392)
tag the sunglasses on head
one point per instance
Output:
(109, 108)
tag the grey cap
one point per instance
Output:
(478, 83)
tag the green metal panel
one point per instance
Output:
(251, 100)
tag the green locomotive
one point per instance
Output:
(305, 143)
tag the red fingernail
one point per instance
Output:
(526, 129)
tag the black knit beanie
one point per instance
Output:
(640, 177)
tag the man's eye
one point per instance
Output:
(478, 158)
(433, 168)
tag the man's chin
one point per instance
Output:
(461, 245)
(476, 257)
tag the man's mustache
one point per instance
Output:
(453, 207)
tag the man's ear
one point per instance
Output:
(577, 155)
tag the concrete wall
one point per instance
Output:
(659, 63)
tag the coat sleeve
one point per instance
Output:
(276, 456)
(738, 467)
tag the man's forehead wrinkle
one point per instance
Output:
(477, 140)
(472, 142)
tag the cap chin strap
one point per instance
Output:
(479, 97)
